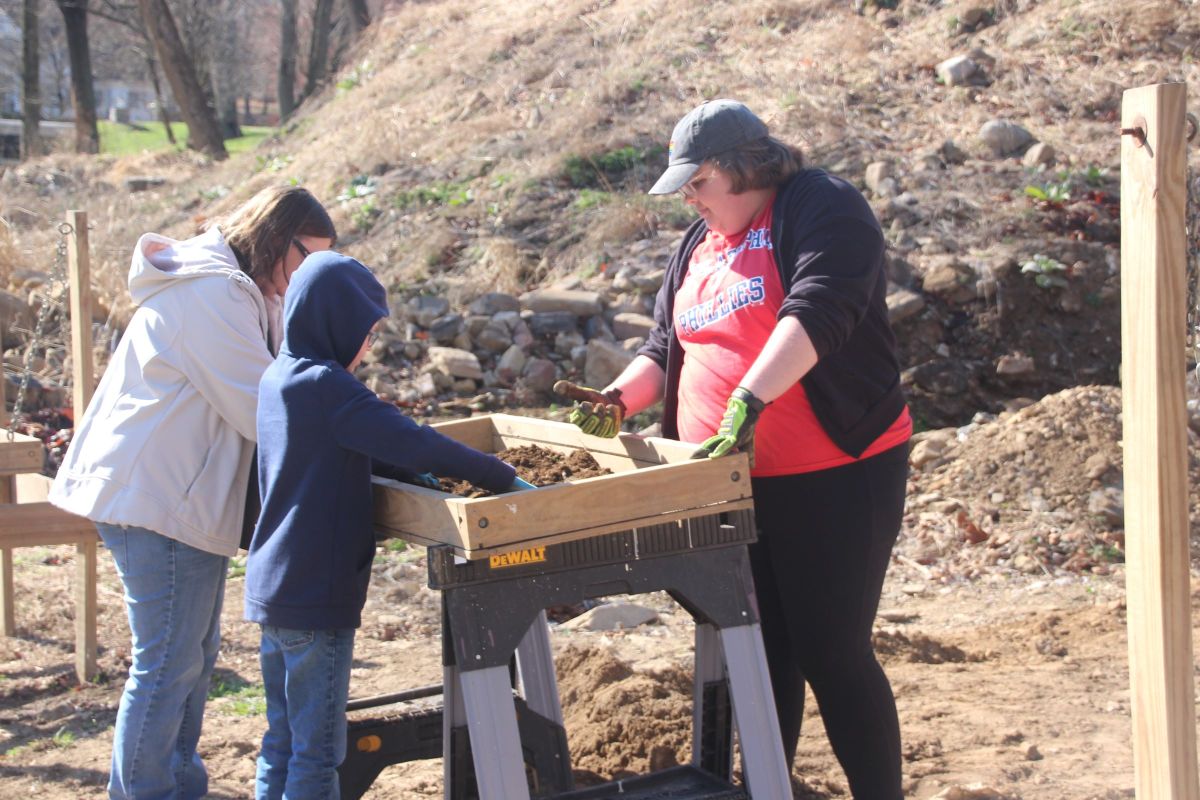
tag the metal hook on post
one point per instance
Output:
(1138, 132)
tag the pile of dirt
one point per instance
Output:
(620, 722)
(538, 466)
(1038, 489)
(1048, 456)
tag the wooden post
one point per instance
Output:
(3, 389)
(79, 266)
(8, 617)
(1153, 201)
(8, 491)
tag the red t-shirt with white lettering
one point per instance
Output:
(725, 311)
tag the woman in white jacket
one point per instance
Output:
(161, 458)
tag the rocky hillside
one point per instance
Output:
(490, 160)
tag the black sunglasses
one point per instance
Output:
(304, 251)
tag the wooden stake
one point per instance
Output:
(1153, 201)
(8, 619)
(3, 388)
(79, 266)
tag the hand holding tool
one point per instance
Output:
(596, 413)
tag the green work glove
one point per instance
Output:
(736, 431)
(596, 413)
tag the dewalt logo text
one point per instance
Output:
(530, 555)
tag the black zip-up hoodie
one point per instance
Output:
(829, 250)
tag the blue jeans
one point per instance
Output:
(173, 596)
(306, 675)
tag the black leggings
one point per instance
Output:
(825, 540)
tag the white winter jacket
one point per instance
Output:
(167, 440)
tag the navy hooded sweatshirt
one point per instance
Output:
(319, 432)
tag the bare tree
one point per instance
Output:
(227, 45)
(352, 18)
(198, 24)
(56, 90)
(341, 37)
(204, 134)
(31, 76)
(287, 59)
(128, 17)
(318, 51)
(160, 102)
(360, 15)
(83, 96)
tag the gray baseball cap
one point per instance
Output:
(707, 130)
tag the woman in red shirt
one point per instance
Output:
(772, 338)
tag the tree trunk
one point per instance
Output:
(318, 51)
(203, 132)
(341, 36)
(83, 97)
(224, 67)
(31, 75)
(287, 59)
(360, 15)
(159, 101)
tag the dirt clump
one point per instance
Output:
(621, 722)
(537, 465)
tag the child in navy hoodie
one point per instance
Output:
(320, 431)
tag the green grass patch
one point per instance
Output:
(590, 198)
(118, 139)
(365, 215)
(605, 170)
(251, 136)
(63, 738)
(238, 697)
(449, 193)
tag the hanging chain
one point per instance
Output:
(57, 274)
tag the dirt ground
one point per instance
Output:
(1016, 683)
(1002, 627)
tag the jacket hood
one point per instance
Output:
(159, 261)
(330, 305)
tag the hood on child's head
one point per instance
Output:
(329, 308)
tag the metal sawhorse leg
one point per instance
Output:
(492, 613)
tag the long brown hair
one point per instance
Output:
(261, 230)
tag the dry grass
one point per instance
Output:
(10, 260)
(488, 102)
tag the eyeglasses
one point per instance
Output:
(372, 335)
(304, 251)
(689, 189)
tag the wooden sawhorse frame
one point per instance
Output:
(30, 524)
(39, 524)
